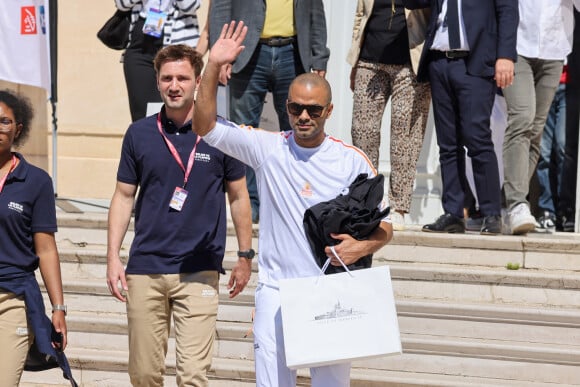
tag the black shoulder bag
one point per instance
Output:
(115, 33)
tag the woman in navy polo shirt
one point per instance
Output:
(27, 227)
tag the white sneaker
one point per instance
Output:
(397, 220)
(521, 220)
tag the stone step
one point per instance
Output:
(420, 370)
(465, 319)
(462, 283)
(543, 251)
(498, 340)
(552, 251)
(92, 263)
(549, 338)
(90, 229)
(87, 377)
(566, 322)
(94, 378)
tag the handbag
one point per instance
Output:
(337, 318)
(115, 32)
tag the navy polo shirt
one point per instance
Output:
(169, 241)
(26, 207)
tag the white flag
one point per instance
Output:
(24, 42)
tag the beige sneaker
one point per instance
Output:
(398, 221)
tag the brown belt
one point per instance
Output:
(277, 41)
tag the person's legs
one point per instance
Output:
(451, 151)
(141, 83)
(409, 112)
(567, 189)
(139, 72)
(567, 205)
(547, 144)
(475, 98)
(560, 139)
(248, 88)
(546, 78)
(14, 338)
(270, 359)
(336, 375)
(194, 300)
(521, 103)
(372, 89)
(286, 65)
(148, 315)
(476, 95)
(247, 92)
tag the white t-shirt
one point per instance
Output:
(290, 180)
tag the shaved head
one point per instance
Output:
(312, 81)
(310, 97)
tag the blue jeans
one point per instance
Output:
(271, 69)
(552, 153)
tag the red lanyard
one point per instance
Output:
(175, 154)
(9, 171)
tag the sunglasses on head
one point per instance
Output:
(314, 111)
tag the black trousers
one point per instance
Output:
(139, 71)
(567, 203)
(462, 106)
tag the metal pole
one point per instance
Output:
(54, 147)
(53, 35)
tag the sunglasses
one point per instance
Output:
(314, 111)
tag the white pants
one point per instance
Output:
(270, 358)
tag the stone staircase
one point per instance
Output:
(465, 319)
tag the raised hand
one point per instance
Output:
(229, 45)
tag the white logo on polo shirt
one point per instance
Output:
(16, 207)
(204, 157)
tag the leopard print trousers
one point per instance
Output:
(375, 83)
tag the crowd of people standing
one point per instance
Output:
(391, 62)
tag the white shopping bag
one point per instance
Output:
(336, 318)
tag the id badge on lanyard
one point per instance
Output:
(154, 22)
(178, 198)
(180, 193)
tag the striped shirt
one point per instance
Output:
(181, 26)
(290, 180)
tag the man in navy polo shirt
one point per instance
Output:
(180, 229)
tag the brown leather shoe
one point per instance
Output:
(446, 223)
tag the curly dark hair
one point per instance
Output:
(23, 113)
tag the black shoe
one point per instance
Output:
(568, 225)
(547, 221)
(491, 225)
(446, 223)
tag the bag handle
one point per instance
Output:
(327, 263)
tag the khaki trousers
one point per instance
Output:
(528, 102)
(14, 338)
(192, 300)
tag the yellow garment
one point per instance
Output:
(279, 19)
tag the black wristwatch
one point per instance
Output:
(248, 254)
